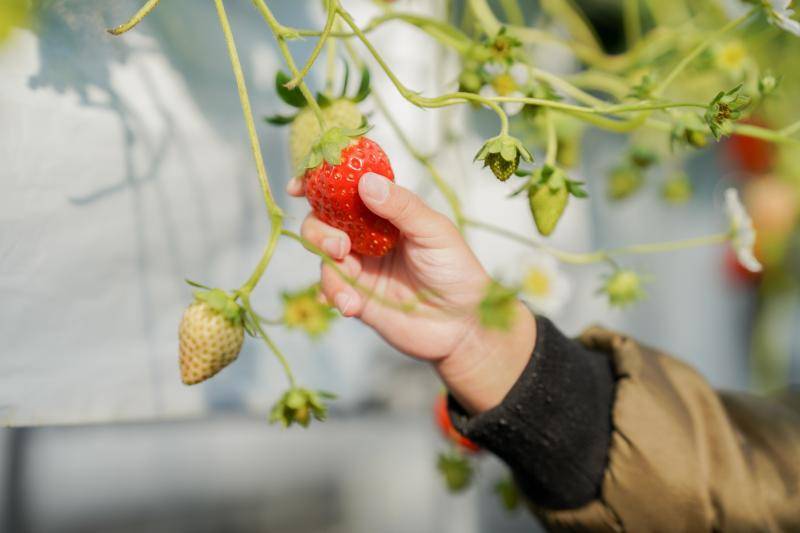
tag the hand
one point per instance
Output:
(431, 258)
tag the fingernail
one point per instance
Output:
(342, 300)
(333, 246)
(375, 187)
(291, 185)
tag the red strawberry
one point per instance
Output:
(753, 156)
(332, 191)
(447, 428)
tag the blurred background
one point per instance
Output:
(124, 168)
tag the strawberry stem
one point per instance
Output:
(326, 31)
(598, 256)
(280, 33)
(256, 323)
(145, 10)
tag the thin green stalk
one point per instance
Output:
(513, 12)
(602, 255)
(552, 139)
(632, 20)
(567, 88)
(368, 292)
(444, 187)
(569, 14)
(245, 298)
(275, 213)
(412, 96)
(326, 31)
(697, 50)
(791, 129)
(136, 19)
(280, 33)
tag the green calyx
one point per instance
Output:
(330, 144)
(456, 470)
(502, 155)
(548, 193)
(724, 110)
(498, 306)
(223, 303)
(299, 406)
(623, 287)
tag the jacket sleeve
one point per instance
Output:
(678, 456)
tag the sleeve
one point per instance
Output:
(678, 455)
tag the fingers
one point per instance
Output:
(295, 187)
(332, 241)
(403, 208)
(336, 244)
(340, 293)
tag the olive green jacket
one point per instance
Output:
(684, 457)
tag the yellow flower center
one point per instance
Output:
(537, 283)
(305, 313)
(732, 56)
(504, 84)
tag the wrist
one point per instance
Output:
(487, 362)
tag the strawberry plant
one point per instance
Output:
(686, 86)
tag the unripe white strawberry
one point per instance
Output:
(211, 335)
(304, 130)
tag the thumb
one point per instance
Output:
(404, 209)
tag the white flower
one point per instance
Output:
(743, 236)
(542, 283)
(779, 13)
(506, 82)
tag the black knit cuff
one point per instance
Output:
(553, 428)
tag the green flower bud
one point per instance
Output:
(623, 288)
(624, 181)
(677, 189)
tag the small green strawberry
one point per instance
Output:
(502, 154)
(623, 287)
(548, 193)
(624, 181)
(211, 335)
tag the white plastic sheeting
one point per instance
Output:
(124, 168)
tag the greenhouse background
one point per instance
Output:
(125, 169)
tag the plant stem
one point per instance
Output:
(697, 50)
(552, 139)
(136, 19)
(633, 22)
(274, 211)
(280, 32)
(368, 292)
(326, 31)
(791, 129)
(577, 258)
(410, 95)
(270, 344)
(445, 188)
(513, 12)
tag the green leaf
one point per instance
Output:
(345, 79)
(292, 97)
(363, 86)
(279, 120)
(323, 100)
(498, 307)
(196, 284)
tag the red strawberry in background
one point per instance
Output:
(751, 155)
(447, 428)
(331, 187)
